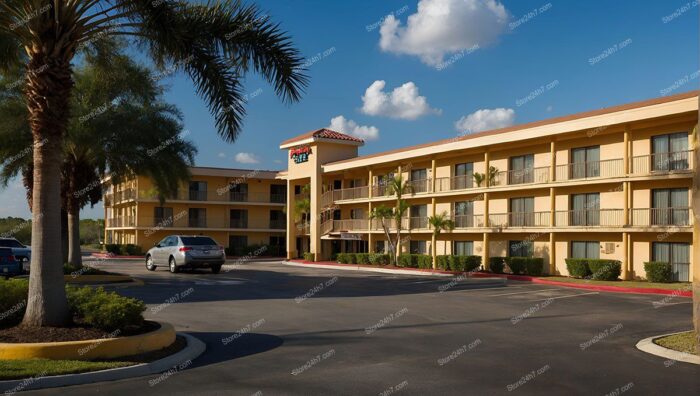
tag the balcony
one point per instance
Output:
(418, 186)
(590, 218)
(661, 217)
(238, 223)
(662, 163)
(120, 196)
(260, 197)
(224, 195)
(418, 223)
(590, 170)
(523, 176)
(350, 225)
(468, 221)
(121, 222)
(454, 183)
(351, 193)
(520, 219)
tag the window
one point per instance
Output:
(337, 184)
(464, 176)
(520, 249)
(678, 254)
(10, 243)
(585, 162)
(198, 191)
(670, 207)
(277, 241)
(162, 217)
(464, 214)
(239, 218)
(585, 209)
(278, 193)
(238, 192)
(463, 248)
(419, 180)
(277, 219)
(357, 214)
(522, 212)
(357, 183)
(669, 152)
(418, 247)
(277, 246)
(197, 217)
(380, 246)
(585, 249)
(419, 216)
(521, 169)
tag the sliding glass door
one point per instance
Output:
(669, 152)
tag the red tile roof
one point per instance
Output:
(324, 133)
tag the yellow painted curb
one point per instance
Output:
(96, 278)
(105, 348)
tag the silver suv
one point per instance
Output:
(185, 251)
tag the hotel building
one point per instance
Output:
(611, 183)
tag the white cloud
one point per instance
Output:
(350, 127)
(441, 27)
(403, 102)
(222, 155)
(486, 119)
(246, 158)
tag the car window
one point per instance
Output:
(12, 243)
(164, 242)
(171, 241)
(197, 241)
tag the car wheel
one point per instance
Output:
(215, 269)
(149, 264)
(173, 266)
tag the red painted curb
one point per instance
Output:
(526, 278)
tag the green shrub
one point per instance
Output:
(404, 260)
(362, 258)
(443, 263)
(352, 258)
(534, 266)
(309, 256)
(133, 250)
(424, 261)
(605, 270)
(105, 310)
(518, 265)
(453, 262)
(113, 248)
(471, 263)
(659, 271)
(379, 259)
(13, 301)
(497, 264)
(343, 258)
(577, 267)
(124, 250)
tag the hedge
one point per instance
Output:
(309, 256)
(95, 307)
(378, 259)
(416, 261)
(124, 250)
(497, 264)
(596, 269)
(657, 271)
(362, 258)
(534, 266)
(458, 263)
(577, 267)
(518, 265)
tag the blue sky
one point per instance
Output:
(516, 60)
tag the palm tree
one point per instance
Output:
(439, 223)
(396, 185)
(384, 215)
(91, 148)
(215, 44)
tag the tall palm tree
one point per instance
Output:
(384, 215)
(214, 43)
(92, 148)
(439, 223)
(396, 185)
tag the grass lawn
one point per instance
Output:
(682, 342)
(645, 284)
(18, 369)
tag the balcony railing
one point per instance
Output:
(260, 197)
(680, 217)
(591, 169)
(120, 196)
(660, 163)
(523, 176)
(468, 221)
(351, 193)
(590, 218)
(350, 225)
(121, 222)
(238, 223)
(453, 183)
(418, 223)
(195, 222)
(303, 228)
(418, 186)
(520, 219)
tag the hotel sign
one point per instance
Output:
(300, 154)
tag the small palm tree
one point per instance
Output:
(384, 215)
(439, 223)
(479, 178)
(215, 43)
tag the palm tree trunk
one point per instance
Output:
(64, 235)
(74, 254)
(47, 94)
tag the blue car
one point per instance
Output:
(9, 266)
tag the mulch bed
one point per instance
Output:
(22, 334)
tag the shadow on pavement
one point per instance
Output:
(245, 345)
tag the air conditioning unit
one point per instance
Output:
(609, 248)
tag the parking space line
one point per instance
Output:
(657, 304)
(568, 296)
(524, 292)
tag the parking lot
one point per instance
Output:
(273, 329)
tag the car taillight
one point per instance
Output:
(185, 249)
(11, 258)
(221, 248)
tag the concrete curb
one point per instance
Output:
(176, 362)
(647, 345)
(348, 267)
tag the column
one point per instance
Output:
(626, 208)
(370, 234)
(553, 160)
(552, 254)
(433, 176)
(487, 165)
(370, 183)
(552, 207)
(315, 226)
(485, 251)
(433, 240)
(626, 151)
(291, 225)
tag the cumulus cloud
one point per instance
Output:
(246, 158)
(350, 127)
(403, 102)
(441, 27)
(486, 119)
